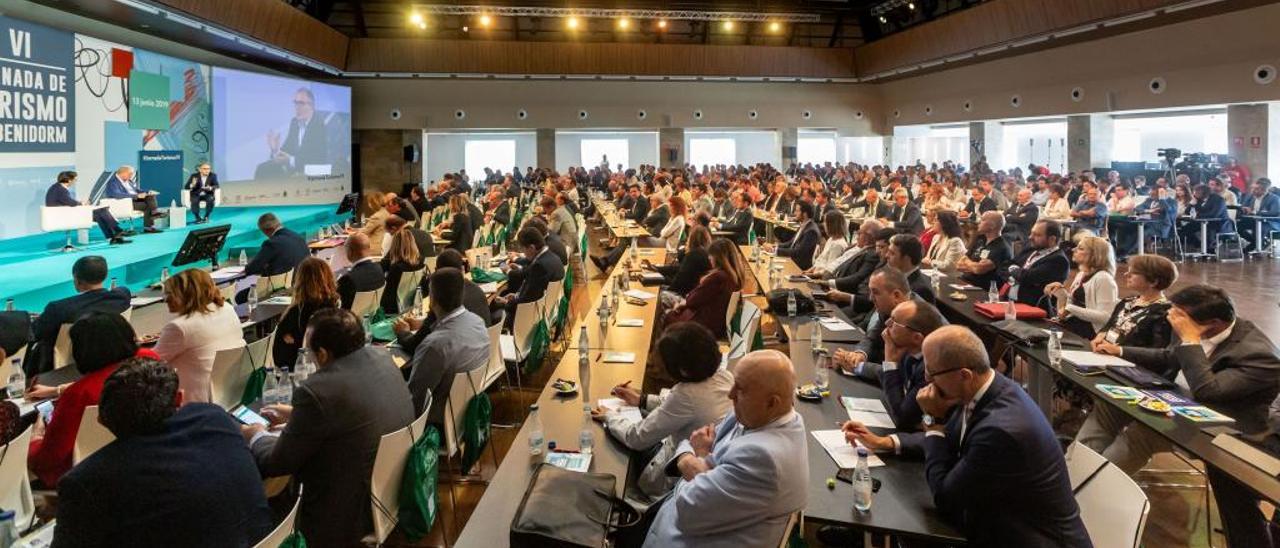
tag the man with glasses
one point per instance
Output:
(888, 289)
(306, 143)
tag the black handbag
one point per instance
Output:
(566, 508)
(777, 300)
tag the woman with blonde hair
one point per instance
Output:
(1086, 304)
(205, 323)
(460, 225)
(314, 289)
(402, 259)
(375, 226)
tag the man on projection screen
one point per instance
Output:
(305, 144)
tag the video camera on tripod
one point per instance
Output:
(1198, 166)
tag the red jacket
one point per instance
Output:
(50, 457)
(708, 303)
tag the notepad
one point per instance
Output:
(144, 301)
(284, 300)
(1200, 413)
(616, 405)
(836, 324)
(631, 322)
(963, 287)
(489, 287)
(619, 357)
(845, 455)
(638, 294)
(868, 411)
(1085, 358)
(577, 462)
(227, 272)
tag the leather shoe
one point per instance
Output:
(151, 230)
(160, 214)
(119, 240)
(128, 233)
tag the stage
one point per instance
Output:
(33, 271)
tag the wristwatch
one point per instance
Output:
(928, 420)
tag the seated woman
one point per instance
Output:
(708, 303)
(205, 324)
(682, 276)
(1057, 207)
(402, 259)
(675, 227)
(313, 289)
(1085, 306)
(375, 226)
(99, 342)
(836, 229)
(947, 246)
(462, 231)
(688, 352)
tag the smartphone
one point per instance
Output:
(1089, 370)
(247, 416)
(846, 475)
(45, 408)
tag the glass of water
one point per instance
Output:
(821, 372)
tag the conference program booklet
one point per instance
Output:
(1200, 413)
(1121, 392)
(577, 462)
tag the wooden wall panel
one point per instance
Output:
(499, 57)
(274, 22)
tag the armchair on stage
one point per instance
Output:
(121, 209)
(67, 219)
(186, 198)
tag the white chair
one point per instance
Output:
(496, 367)
(120, 208)
(229, 376)
(258, 353)
(186, 198)
(409, 281)
(366, 302)
(282, 531)
(796, 520)
(270, 284)
(748, 324)
(551, 301)
(1082, 464)
(1114, 508)
(62, 347)
(734, 300)
(515, 346)
(91, 436)
(15, 488)
(388, 470)
(66, 219)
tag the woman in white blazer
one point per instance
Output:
(947, 246)
(1085, 306)
(836, 228)
(1056, 207)
(690, 355)
(675, 226)
(205, 324)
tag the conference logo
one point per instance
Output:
(37, 99)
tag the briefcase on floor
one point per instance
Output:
(563, 508)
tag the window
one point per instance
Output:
(713, 151)
(1042, 144)
(1138, 139)
(495, 154)
(816, 150)
(595, 151)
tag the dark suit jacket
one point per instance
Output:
(1239, 378)
(15, 331)
(740, 225)
(365, 276)
(1007, 483)
(1214, 207)
(656, 220)
(987, 204)
(907, 219)
(194, 484)
(802, 246)
(900, 387)
(68, 310)
(544, 269)
(207, 189)
(639, 209)
(314, 148)
(558, 248)
(282, 252)
(882, 209)
(59, 196)
(407, 211)
(683, 276)
(1022, 217)
(463, 232)
(855, 272)
(721, 210)
(339, 415)
(502, 213)
(1031, 281)
(922, 286)
(872, 346)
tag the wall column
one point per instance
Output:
(1090, 138)
(1254, 136)
(546, 148)
(671, 147)
(788, 145)
(987, 139)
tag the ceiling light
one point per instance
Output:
(728, 25)
(883, 20)
(624, 23)
(911, 5)
(662, 23)
(415, 18)
(572, 22)
(422, 25)
(466, 28)
(485, 20)
(775, 26)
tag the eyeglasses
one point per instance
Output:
(928, 375)
(892, 322)
(297, 103)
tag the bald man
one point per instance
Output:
(1022, 215)
(994, 467)
(740, 481)
(364, 274)
(989, 253)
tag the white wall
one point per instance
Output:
(642, 148)
(752, 147)
(1043, 144)
(445, 152)
(867, 151)
(1138, 138)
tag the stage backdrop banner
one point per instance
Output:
(37, 99)
(148, 100)
(161, 171)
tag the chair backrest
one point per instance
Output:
(365, 302)
(1082, 464)
(127, 314)
(1114, 508)
(120, 208)
(388, 470)
(91, 436)
(62, 347)
(734, 300)
(65, 218)
(527, 316)
(15, 488)
(748, 324)
(460, 393)
(258, 353)
(496, 366)
(229, 376)
(405, 291)
(792, 522)
(270, 284)
(551, 300)
(282, 531)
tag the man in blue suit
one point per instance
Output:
(122, 185)
(801, 247)
(283, 251)
(740, 481)
(59, 195)
(176, 475)
(202, 186)
(995, 468)
(87, 275)
(1261, 202)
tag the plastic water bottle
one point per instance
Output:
(252, 299)
(418, 309)
(271, 388)
(993, 293)
(635, 249)
(815, 341)
(862, 482)
(368, 329)
(821, 375)
(244, 259)
(1055, 347)
(935, 283)
(791, 303)
(164, 275)
(17, 382)
(536, 438)
(587, 437)
(301, 367)
(8, 305)
(1010, 311)
(8, 529)
(603, 313)
(113, 284)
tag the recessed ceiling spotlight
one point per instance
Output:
(572, 22)
(485, 20)
(416, 18)
(662, 23)
(624, 23)
(775, 26)
(728, 25)
(883, 20)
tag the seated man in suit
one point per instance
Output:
(857, 262)
(59, 195)
(202, 187)
(637, 205)
(410, 330)
(874, 207)
(1260, 202)
(364, 274)
(1022, 215)
(122, 185)
(905, 253)
(978, 204)
(400, 207)
(658, 216)
(737, 219)
(740, 480)
(282, 252)
(543, 269)
(87, 274)
(458, 343)
(802, 246)
(331, 430)
(888, 289)
(906, 216)
(995, 467)
(989, 253)
(855, 295)
(498, 210)
(1229, 364)
(1040, 264)
(176, 475)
